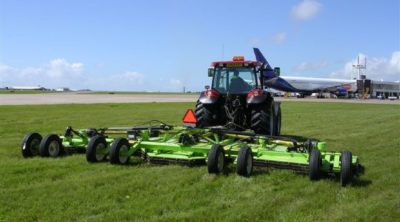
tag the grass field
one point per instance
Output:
(70, 189)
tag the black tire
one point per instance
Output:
(216, 159)
(96, 149)
(51, 146)
(262, 119)
(30, 145)
(205, 114)
(278, 122)
(311, 144)
(119, 145)
(244, 165)
(315, 164)
(346, 171)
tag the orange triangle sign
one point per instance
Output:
(189, 117)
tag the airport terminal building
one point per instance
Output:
(386, 89)
(378, 89)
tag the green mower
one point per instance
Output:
(214, 146)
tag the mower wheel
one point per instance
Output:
(30, 145)
(204, 115)
(97, 149)
(216, 159)
(278, 122)
(311, 144)
(315, 164)
(119, 151)
(262, 119)
(244, 165)
(346, 172)
(51, 146)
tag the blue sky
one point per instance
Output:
(166, 45)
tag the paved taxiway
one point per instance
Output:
(89, 98)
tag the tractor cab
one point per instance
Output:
(236, 77)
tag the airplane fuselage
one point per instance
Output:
(310, 84)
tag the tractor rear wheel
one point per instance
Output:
(262, 119)
(244, 165)
(205, 115)
(119, 151)
(30, 145)
(346, 172)
(51, 146)
(96, 150)
(216, 159)
(315, 164)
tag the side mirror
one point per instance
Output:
(277, 71)
(210, 72)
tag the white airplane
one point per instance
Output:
(303, 85)
(308, 85)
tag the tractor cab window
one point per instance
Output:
(234, 80)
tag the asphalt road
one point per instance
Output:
(88, 98)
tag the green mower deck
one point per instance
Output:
(214, 146)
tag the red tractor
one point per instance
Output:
(237, 98)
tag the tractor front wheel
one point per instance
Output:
(30, 145)
(346, 172)
(97, 149)
(245, 162)
(51, 146)
(119, 153)
(216, 159)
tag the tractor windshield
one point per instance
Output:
(238, 80)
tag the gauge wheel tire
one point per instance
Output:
(118, 147)
(311, 144)
(262, 119)
(51, 146)
(244, 165)
(346, 171)
(278, 122)
(30, 145)
(216, 159)
(204, 115)
(315, 164)
(97, 149)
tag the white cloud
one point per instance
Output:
(56, 73)
(61, 73)
(255, 41)
(306, 10)
(377, 68)
(310, 66)
(279, 37)
(131, 77)
(175, 82)
(127, 81)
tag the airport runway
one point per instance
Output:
(89, 98)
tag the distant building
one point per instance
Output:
(64, 89)
(385, 89)
(27, 88)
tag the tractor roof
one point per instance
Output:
(237, 61)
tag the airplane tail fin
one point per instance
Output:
(269, 72)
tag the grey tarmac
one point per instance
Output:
(92, 98)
